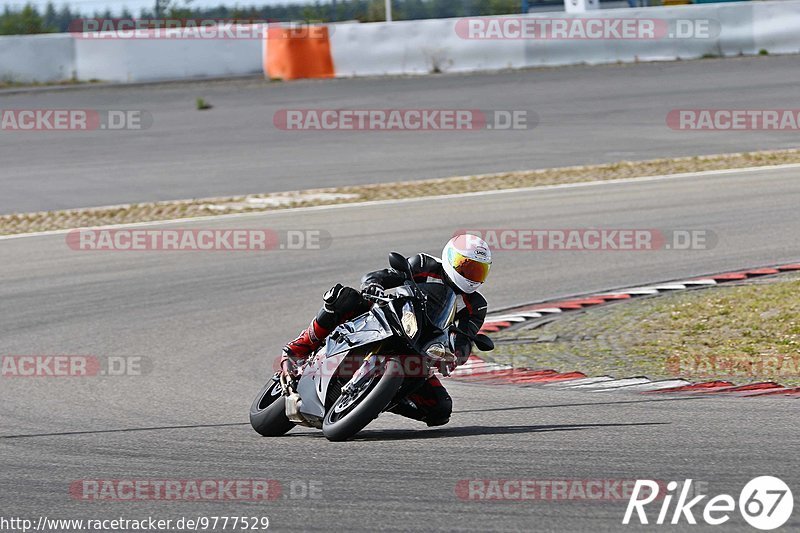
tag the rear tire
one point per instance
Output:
(268, 411)
(382, 392)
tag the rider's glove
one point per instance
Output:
(462, 347)
(448, 367)
(373, 289)
(289, 365)
(451, 361)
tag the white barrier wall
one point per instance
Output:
(421, 47)
(661, 48)
(135, 60)
(405, 47)
(416, 47)
(776, 27)
(43, 58)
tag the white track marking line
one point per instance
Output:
(639, 179)
(642, 291)
(530, 314)
(466, 372)
(670, 287)
(476, 366)
(614, 384)
(490, 320)
(655, 385)
(578, 382)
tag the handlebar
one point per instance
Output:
(386, 299)
(454, 329)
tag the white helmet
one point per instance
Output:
(466, 260)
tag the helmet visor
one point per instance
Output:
(474, 271)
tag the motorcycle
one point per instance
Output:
(368, 364)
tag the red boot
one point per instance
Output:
(299, 349)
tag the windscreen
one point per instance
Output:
(441, 303)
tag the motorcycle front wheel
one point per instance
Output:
(351, 413)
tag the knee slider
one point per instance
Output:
(442, 409)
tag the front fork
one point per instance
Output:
(364, 374)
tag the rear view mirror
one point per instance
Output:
(400, 263)
(484, 343)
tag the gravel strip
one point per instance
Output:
(146, 212)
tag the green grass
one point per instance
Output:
(742, 333)
(144, 212)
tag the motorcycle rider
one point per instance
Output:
(464, 266)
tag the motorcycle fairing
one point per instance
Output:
(368, 328)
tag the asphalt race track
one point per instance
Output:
(587, 115)
(209, 324)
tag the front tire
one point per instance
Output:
(338, 426)
(268, 411)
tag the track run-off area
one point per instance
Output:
(209, 325)
(584, 115)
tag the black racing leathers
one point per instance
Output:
(427, 268)
(430, 402)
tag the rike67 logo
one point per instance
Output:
(765, 503)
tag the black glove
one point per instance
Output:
(462, 348)
(341, 299)
(374, 289)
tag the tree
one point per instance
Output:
(28, 20)
(65, 18)
(24, 22)
(504, 7)
(376, 11)
(50, 18)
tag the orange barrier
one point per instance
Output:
(294, 53)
